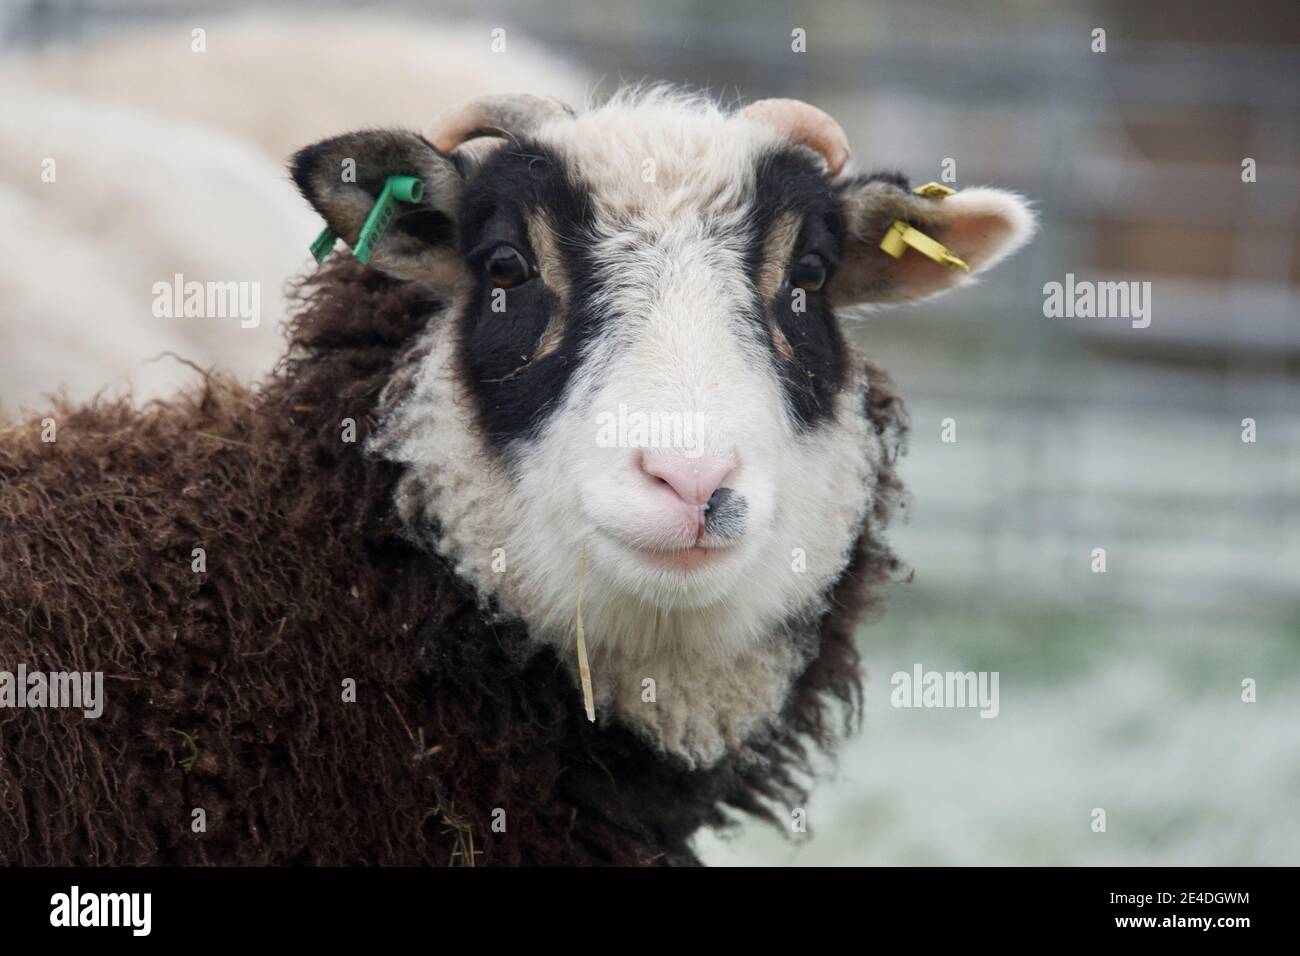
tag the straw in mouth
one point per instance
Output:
(584, 671)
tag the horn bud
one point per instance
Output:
(806, 125)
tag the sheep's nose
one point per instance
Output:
(693, 480)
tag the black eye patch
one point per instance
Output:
(796, 320)
(520, 336)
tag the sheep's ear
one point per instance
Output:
(342, 178)
(980, 226)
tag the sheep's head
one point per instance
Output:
(640, 359)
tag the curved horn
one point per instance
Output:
(492, 116)
(806, 125)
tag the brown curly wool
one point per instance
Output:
(224, 689)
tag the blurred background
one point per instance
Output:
(1119, 690)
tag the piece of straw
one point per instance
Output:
(584, 672)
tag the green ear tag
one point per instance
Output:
(396, 189)
(323, 243)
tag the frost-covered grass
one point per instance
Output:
(1140, 717)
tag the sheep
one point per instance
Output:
(132, 200)
(337, 615)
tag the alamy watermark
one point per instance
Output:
(637, 429)
(1085, 299)
(208, 300)
(74, 908)
(946, 689)
(79, 690)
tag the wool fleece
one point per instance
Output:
(224, 690)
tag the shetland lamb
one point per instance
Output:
(594, 374)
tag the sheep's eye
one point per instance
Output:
(809, 273)
(506, 267)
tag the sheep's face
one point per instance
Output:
(633, 353)
(639, 388)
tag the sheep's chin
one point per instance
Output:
(668, 581)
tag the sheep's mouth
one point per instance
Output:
(682, 559)
(703, 553)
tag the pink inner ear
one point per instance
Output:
(916, 275)
(980, 226)
(975, 238)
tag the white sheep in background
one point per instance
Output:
(135, 200)
(171, 161)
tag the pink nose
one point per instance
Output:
(693, 480)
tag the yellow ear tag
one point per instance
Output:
(900, 235)
(933, 191)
